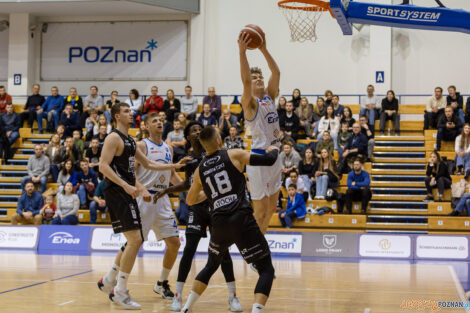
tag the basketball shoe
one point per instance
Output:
(105, 286)
(234, 305)
(177, 304)
(124, 299)
(163, 289)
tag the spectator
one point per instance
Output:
(434, 109)
(109, 104)
(343, 138)
(214, 101)
(143, 132)
(34, 103)
(28, 207)
(176, 140)
(51, 110)
(48, 210)
(38, 169)
(70, 120)
(462, 152)
(167, 126)
(189, 104)
(154, 103)
(93, 154)
(437, 175)
(93, 101)
(4, 99)
(55, 153)
(135, 104)
(328, 97)
(307, 168)
(64, 175)
(448, 127)
(226, 121)
(71, 152)
(102, 122)
(281, 106)
(206, 118)
(319, 111)
(84, 182)
(90, 123)
(5, 151)
(356, 147)
(325, 143)
(338, 108)
(11, 123)
(370, 106)
(326, 174)
(60, 131)
(463, 204)
(78, 142)
(455, 100)
(329, 123)
(182, 118)
(294, 179)
(102, 134)
(358, 187)
(75, 100)
(289, 158)
(171, 105)
(390, 112)
(98, 203)
(67, 207)
(289, 122)
(233, 141)
(348, 117)
(305, 114)
(295, 207)
(296, 97)
(369, 133)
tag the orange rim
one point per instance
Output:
(316, 5)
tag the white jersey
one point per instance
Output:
(265, 130)
(155, 180)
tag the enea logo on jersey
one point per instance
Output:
(64, 238)
(212, 161)
(272, 117)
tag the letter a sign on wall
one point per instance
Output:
(379, 77)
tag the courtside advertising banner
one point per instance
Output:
(442, 247)
(4, 55)
(385, 246)
(19, 237)
(60, 238)
(104, 239)
(115, 51)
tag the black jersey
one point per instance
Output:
(123, 165)
(191, 166)
(223, 184)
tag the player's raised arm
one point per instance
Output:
(195, 193)
(157, 166)
(248, 102)
(240, 158)
(273, 84)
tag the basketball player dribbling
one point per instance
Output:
(262, 118)
(121, 188)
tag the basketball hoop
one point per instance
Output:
(303, 16)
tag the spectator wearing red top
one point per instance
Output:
(4, 100)
(154, 103)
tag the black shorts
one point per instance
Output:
(123, 209)
(239, 228)
(199, 219)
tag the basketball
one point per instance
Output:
(256, 35)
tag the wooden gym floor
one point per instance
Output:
(53, 283)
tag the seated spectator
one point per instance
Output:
(4, 99)
(154, 103)
(434, 109)
(358, 187)
(356, 147)
(71, 152)
(33, 104)
(11, 123)
(289, 158)
(301, 187)
(92, 101)
(143, 132)
(281, 106)
(93, 154)
(167, 126)
(370, 106)
(75, 100)
(369, 133)
(390, 112)
(90, 123)
(226, 121)
(84, 182)
(102, 134)
(28, 206)
(182, 118)
(70, 120)
(326, 174)
(77, 141)
(295, 207)
(109, 104)
(328, 97)
(305, 114)
(102, 122)
(233, 141)
(171, 105)
(307, 168)
(55, 152)
(325, 143)
(50, 110)
(455, 100)
(189, 104)
(462, 152)
(98, 203)
(289, 122)
(448, 127)
(348, 118)
(343, 138)
(38, 169)
(214, 101)
(135, 104)
(296, 98)
(5, 151)
(176, 140)
(60, 131)
(319, 111)
(48, 210)
(67, 207)
(437, 176)
(65, 174)
(329, 123)
(338, 108)
(206, 118)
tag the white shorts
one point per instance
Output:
(158, 217)
(264, 180)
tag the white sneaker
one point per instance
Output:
(234, 305)
(105, 286)
(177, 304)
(124, 299)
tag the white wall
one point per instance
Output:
(4, 57)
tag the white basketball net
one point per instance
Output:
(302, 21)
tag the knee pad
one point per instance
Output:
(266, 276)
(206, 273)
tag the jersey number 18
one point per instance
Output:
(223, 184)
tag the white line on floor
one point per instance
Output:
(458, 285)
(66, 302)
(366, 310)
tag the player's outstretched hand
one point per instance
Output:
(131, 190)
(146, 195)
(158, 195)
(243, 41)
(183, 161)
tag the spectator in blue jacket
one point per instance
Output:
(51, 110)
(29, 205)
(98, 202)
(206, 117)
(295, 207)
(356, 147)
(70, 120)
(358, 187)
(84, 182)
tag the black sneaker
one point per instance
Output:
(454, 213)
(163, 289)
(429, 198)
